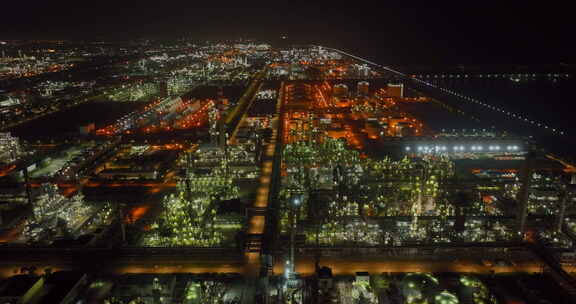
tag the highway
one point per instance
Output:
(181, 260)
(350, 265)
(257, 222)
(123, 260)
(234, 119)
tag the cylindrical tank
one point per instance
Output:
(340, 90)
(363, 88)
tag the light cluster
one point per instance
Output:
(55, 215)
(190, 215)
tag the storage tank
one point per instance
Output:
(363, 88)
(395, 90)
(340, 90)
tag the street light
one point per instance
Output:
(296, 200)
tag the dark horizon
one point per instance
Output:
(460, 33)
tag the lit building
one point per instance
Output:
(10, 148)
(395, 90)
(6, 101)
(462, 146)
(55, 215)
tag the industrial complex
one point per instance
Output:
(243, 172)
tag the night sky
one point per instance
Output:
(409, 33)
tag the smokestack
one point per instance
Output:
(525, 192)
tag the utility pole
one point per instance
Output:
(122, 224)
(292, 240)
(562, 212)
(296, 200)
(27, 185)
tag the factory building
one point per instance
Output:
(423, 145)
(395, 90)
(10, 148)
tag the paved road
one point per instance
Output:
(351, 265)
(124, 261)
(257, 222)
(118, 262)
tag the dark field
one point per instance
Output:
(67, 122)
